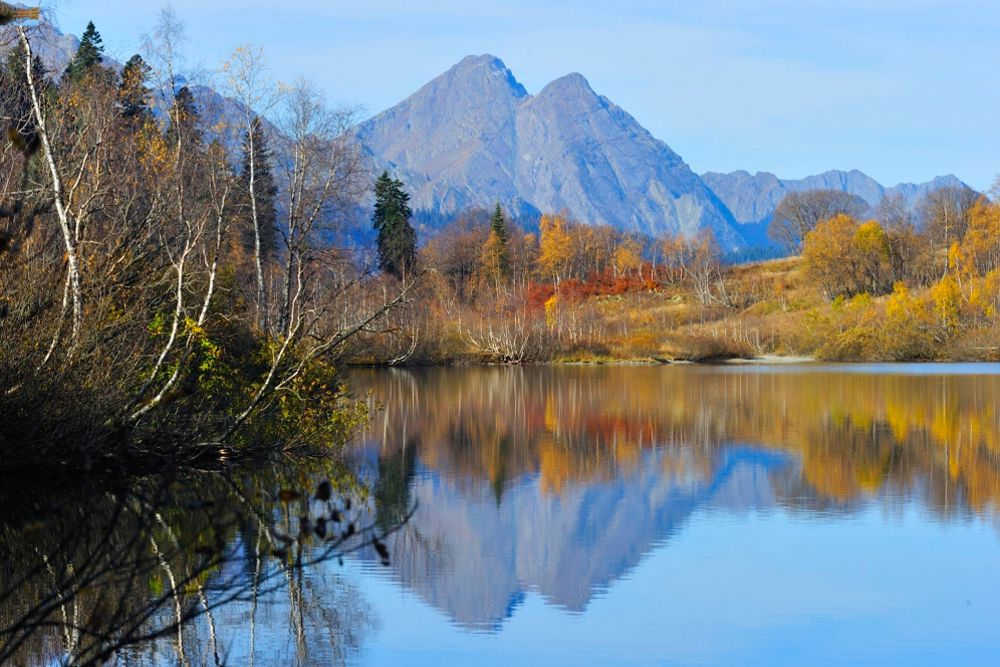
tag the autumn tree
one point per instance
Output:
(494, 260)
(947, 297)
(699, 260)
(873, 249)
(119, 337)
(628, 257)
(397, 240)
(799, 212)
(910, 252)
(909, 326)
(845, 257)
(456, 251)
(555, 248)
(981, 245)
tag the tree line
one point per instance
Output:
(502, 292)
(170, 278)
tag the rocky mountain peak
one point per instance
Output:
(473, 136)
(483, 73)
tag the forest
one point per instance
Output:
(859, 283)
(175, 268)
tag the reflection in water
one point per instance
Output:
(697, 514)
(560, 480)
(210, 569)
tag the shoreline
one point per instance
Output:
(763, 360)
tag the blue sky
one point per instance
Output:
(903, 90)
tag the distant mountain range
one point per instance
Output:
(474, 136)
(752, 198)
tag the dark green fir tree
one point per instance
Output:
(184, 119)
(133, 95)
(88, 54)
(397, 240)
(498, 225)
(264, 196)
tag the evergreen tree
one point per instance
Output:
(498, 227)
(184, 119)
(265, 193)
(88, 54)
(132, 91)
(397, 240)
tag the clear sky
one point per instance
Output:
(901, 89)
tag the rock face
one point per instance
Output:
(474, 135)
(753, 198)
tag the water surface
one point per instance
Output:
(696, 515)
(689, 515)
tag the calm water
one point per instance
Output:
(630, 515)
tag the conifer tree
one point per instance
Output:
(498, 227)
(184, 119)
(397, 240)
(88, 54)
(132, 91)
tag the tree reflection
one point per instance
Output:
(560, 480)
(856, 434)
(179, 569)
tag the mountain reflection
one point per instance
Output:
(560, 480)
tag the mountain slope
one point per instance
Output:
(753, 198)
(473, 136)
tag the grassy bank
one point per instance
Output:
(767, 310)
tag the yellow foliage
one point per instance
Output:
(871, 238)
(845, 257)
(981, 245)
(555, 246)
(956, 260)
(985, 295)
(551, 311)
(947, 302)
(153, 151)
(628, 256)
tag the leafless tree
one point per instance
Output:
(944, 216)
(799, 212)
(247, 82)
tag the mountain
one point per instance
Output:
(753, 198)
(476, 559)
(474, 135)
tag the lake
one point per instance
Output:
(646, 515)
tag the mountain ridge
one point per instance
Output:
(563, 148)
(752, 198)
(474, 135)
